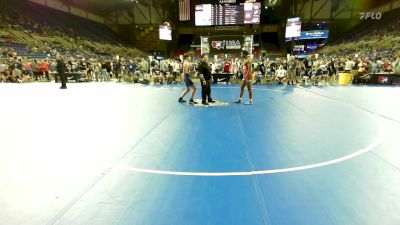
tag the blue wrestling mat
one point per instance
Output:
(297, 156)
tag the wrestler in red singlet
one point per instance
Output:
(247, 78)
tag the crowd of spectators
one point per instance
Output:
(137, 69)
(316, 69)
(360, 56)
(322, 69)
(28, 52)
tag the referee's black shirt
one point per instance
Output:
(205, 70)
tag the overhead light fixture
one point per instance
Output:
(270, 3)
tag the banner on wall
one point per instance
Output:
(312, 47)
(232, 44)
(311, 34)
(298, 48)
(315, 34)
(226, 44)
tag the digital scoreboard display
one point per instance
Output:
(227, 14)
(165, 32)
(293, 28)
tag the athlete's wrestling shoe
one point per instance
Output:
(192, 102)
(250, 102)
(181, 100)
(238, 101)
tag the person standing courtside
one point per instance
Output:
(247, 78)
(61, 72)
(291, 70)
(205, 77)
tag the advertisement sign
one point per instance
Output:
(221, 78)
(312, 47)
(298, 48)
(314, 34)
(384, 79)
(301, 56)
(311, 34)
(226, 44)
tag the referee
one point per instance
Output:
(205, 76)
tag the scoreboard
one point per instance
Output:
(227, 14)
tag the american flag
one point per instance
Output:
(184, 10)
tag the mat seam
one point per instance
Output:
(256, 183)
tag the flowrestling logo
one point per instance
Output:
(370, 15)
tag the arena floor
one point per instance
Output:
(107, 153)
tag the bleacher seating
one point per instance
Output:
(370, 35)
(33, 26)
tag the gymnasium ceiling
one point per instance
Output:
(104, 7)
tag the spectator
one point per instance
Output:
(227, 66)
(396, 65)
(280, 75)
(291, 70)
(3, 71)
(61, 72)
(16, 76)
(349, 65)
(46, 69)
(374, 67)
